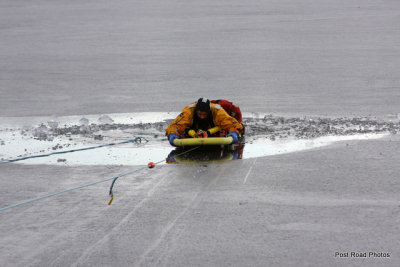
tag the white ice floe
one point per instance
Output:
(22, 142)
(156, 150)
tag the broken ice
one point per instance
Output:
(53, 123)
(105, 119)
(41, 133)
(84, 122)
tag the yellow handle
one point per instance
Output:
(214, 130)
(192, 133)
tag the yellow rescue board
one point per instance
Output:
(210, 141)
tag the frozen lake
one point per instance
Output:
(310, 58)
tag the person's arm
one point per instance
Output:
(181, 122)
(226, 122)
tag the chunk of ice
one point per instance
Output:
(105, 119)
(84, 122)
(41, 133)
(53, 123)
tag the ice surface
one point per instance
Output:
(286, 56)
(311, 203)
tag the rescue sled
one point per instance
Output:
(212, 137)
(210, 141)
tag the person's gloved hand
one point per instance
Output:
(235, 137)
(171, 138)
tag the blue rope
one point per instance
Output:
(111, 193)
(87, 185)
(70, 189)
(135, 140)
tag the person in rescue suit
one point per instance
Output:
(203, 119)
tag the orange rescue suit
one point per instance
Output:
(220, 117)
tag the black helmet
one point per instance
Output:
(203, 104)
